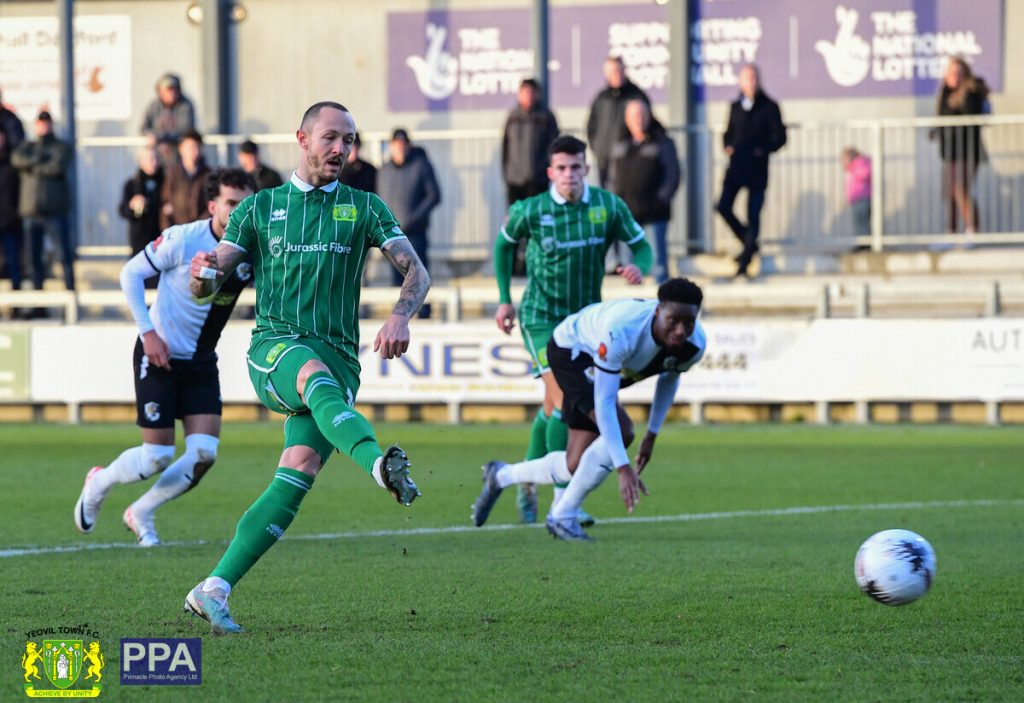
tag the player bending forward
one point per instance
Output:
(594, 353)
(308, 240)
(175, 364)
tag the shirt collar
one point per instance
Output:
(306, 187)
(559, 200)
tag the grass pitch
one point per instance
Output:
(735, 594)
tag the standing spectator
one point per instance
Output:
(184, 192)
(607, 113)
(407, 184)
(529, 131)
(755, 130)
(10, 221)
(858, 189)
(140, 200)
(645, 173)
(960, 147)
(45, 198)
(249, 160)
(359, 174)
(11, 126)
(169, 117)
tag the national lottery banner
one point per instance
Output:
(842, 49)
(440, 60)
(757, 361)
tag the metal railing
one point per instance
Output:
(805, 209)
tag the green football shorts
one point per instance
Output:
(274, 364)
(536, 337)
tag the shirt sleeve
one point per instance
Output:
(133, 283)
(611, 352)
(516, 225)
(166, 251)
(606, 398)
(383, 227)
(664, 395)
(241, 230)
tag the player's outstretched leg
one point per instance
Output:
(352, 434)
(209, 600)
(595, 465)
(135, 464)
(550, 468)
(489, 494)
(177, 479)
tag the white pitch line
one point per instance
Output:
(454, 529)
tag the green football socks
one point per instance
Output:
(263, 523)
(345, 428)
(557, 434)
(538, 436)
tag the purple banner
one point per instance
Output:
(855, 48)
(474, 59)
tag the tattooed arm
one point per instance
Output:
(393, 339)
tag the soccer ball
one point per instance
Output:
(895, 567)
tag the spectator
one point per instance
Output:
(960, 147)
(858, 189)
(184, 191)
(529, 131)
(249, 160)
(607, 112)
(644, 171)
(755, 130)
(140, 200)
(407, 184)
(11, 126)
(45, 199)
(169, 117)
(359, 174)
(10, 221)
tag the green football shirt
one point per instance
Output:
(565, 250)
(308, 247)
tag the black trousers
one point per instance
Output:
(748, 233)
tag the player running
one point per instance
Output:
(175, 364)
(569, 229)
(594, 353)
(308, 240)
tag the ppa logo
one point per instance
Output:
(171, 661)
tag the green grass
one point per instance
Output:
(755, 606)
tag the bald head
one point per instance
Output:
(313, 111)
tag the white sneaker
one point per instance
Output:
(142, 525)
(87, 509)
(212, 605)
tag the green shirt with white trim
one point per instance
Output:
(566, 248)
(308, 247)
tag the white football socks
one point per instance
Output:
(550, 468)
(595, 466)
(133, 465)
(200, 453)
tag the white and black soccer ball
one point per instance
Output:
(895, 567)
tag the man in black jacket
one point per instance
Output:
(529, 131)
(249, 160)
(408, 185)
(45, 199)
(755, 130)
(140, 201)
(607, 111)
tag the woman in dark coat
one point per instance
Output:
(960, 146)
